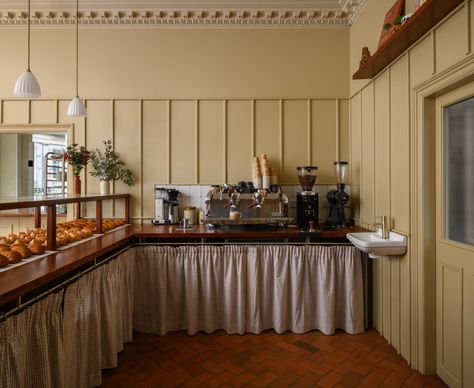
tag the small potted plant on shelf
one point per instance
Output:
(108, 167)
(77, 157)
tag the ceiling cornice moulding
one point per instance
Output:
(335, 13)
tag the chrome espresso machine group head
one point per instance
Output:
(307, 201)
(338, 198)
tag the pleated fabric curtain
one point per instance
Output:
(97, 321)
(303, 288)
(190, 288)
(248, 289)
(31, 346)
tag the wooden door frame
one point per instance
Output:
(423, 206)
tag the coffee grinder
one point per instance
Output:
(338, 198)
(307, 200)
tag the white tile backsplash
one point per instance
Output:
(184, 189)
(194, 190)
(193, 195)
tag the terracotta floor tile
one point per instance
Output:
(286, 379)
(269, 359)
(330, 380)
(373, 379)
(307, 379)
(243, 379)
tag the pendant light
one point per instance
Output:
(76, 106)
(27, 85)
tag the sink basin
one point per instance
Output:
(377, 247)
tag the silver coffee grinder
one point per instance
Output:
(338, 198)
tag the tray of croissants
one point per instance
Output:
(16, 249)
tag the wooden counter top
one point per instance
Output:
(30, 276)
(202, 231)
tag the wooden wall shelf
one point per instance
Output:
(429, 14)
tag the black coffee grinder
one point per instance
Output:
(307, 201)
(338, 198)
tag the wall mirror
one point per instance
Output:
(31, 160)
(31, 164)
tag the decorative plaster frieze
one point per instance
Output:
(180, 18)
(185, 13)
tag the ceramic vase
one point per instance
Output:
(104, 187)
(76, 185)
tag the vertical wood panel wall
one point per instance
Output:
(380, 158)
(201, 141)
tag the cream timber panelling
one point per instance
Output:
(155, 151)
(451, 321)
(43, 111)
(343, 125)
(296, 138)
(422, 60)
(399, 203)
(127, 137)
(211, 142)
(197, 141)
(239, 139)
(99, 127)
(15, 112)
(267, 130)
(367, 155)
(381, 136)
(183, 140)
(181, 64)
(324, 121)
(451, 30)
(356, 152)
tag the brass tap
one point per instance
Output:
(384, 225)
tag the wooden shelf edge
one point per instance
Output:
(422, 21)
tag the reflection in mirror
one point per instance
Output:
(32, 164)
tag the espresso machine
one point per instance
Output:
(338, 198)
(307, 201)
(166, 206)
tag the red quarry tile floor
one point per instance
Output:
(268, 359)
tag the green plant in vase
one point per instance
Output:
(107, 166)
(77, 157)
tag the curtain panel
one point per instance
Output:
(65, 339)
(248, 289)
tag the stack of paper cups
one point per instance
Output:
(257, 174)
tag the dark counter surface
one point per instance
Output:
(26, 278)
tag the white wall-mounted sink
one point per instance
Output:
(378, 247)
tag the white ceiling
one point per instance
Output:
(171, 13)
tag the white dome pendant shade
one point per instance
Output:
(27, 85)
(76, 106)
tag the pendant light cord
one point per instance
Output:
(29, 12)
(77, 48)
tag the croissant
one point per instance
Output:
(3, 261)
(14, 257)
(37, 249)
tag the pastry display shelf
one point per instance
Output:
(51, 201)
(422, 21)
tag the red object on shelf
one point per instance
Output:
(423, 20)
(391, 15)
